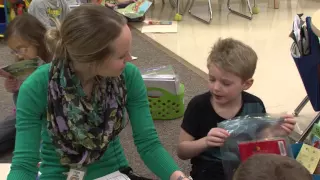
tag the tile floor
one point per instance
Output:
(277, 80)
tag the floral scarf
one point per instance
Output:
(81, 129)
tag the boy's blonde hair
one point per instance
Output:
(86, 35)
(233, 56)
(271, 167)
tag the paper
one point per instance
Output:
(173, 28)
(309, 157)
(114, 176)
(134, 58)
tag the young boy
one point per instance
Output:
(275, 167)
(231, 66)
(45, 10)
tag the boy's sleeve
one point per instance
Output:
(151, 151)
(38, 9)
(190, 119)
(263, 108)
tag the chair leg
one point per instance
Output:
(301, 106)
(306, 132)
(199, 18)
(241, 14)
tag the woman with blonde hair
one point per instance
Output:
(78, 105)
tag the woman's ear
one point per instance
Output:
(247, 84)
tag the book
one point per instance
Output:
(162, 77)
(134, 10)
(309, 157)
(21, 69)
(269, 146)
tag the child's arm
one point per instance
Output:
(188, 147)
(11, 85)
(191, 144)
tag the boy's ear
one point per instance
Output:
(247, 84)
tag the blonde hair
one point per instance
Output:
(86, 35)
(271, 167)
(235, 57)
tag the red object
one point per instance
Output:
(20, 9)
(274, 146)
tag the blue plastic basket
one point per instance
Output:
(309, 68)
(295, 151)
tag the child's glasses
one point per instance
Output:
(20, 52)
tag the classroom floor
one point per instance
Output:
(277, 80)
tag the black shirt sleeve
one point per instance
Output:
(263, 107)
(190, 122)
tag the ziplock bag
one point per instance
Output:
(250, 135)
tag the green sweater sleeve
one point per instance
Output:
(145, 135)
(30, 106)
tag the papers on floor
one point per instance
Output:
(114, 176)
(134, 58)
(162, 77)
(173, 28)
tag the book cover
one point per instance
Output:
(315, 130)
(135, 10)
(315, 141)
(21, 69)
(309, 157)
(269, 146)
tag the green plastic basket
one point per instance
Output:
(168, 106)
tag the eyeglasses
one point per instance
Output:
(20, 52)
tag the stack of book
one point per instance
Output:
(163, 78)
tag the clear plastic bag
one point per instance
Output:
(250, 135)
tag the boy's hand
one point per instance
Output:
(288, 124)
(11, 85)
(216, 137)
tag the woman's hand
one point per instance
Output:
(177, 174)
(288, 124)
(11, 85)
(216, 137)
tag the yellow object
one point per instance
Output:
(27, 3)
(12, 14)
(255, 10)
(178, 17)
(309, 157)
(1, 6)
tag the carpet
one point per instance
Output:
(149, 55)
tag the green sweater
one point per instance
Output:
(31, 130)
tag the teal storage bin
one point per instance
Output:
(168, 106)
